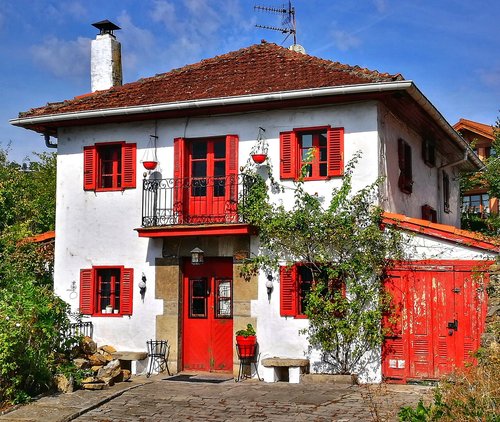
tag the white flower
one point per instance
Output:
(7, 318)
(17, 324)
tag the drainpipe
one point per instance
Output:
(48, 144)
(440, 181)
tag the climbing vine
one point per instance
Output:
(347, 250)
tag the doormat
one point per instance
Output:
(197, 378)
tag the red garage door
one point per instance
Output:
(440, 308)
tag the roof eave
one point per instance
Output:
(377, 87)
(210, 102)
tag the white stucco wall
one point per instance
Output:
(427, 187)
(98, 228)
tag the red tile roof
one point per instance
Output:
(476, 127)
(40, 238)
(441, 231)
(258, 69)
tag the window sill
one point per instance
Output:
(108, 315)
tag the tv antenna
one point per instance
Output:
(287, 20)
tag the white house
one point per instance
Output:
(120, 225)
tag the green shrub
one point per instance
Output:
(32, 342)
(469, 394)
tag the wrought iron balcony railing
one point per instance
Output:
(189, 201)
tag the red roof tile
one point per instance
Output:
(260, 68)
(441, 231)
(479, 128)
(39, 238)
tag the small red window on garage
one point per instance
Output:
(106, 291)
(319, 152)
(109, 166)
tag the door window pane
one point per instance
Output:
(223, 299)
(198, 298)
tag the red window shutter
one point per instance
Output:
(405, 180)
(89, 167)
(288, 291)
(87, 291)
(128, 165)
(288, 155)
(179, 172)
(232, 176)
(127, 284)
(335, 151)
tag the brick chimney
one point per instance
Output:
(105, 58)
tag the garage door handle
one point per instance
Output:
(453, 325)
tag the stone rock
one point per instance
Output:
(108, 349)
(63, 384)
(124, 375)
(111, 370)
(95, 386)
(108, 381)
(97, 360)
(81, 363)
(88, 345)
(96, 367)
(89, 380)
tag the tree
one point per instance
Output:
(33, 320)
(27, 207)
(347, 251)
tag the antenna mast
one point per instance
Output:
(287, 20)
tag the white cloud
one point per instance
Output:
(491, 76)
(345, 41)
(381, 5)
(63, 58)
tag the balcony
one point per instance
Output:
(189, 206)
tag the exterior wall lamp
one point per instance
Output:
(142, 286)
(197, 256)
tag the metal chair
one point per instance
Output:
(247, 354)
(157, 354)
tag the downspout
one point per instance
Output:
(440, 182)
(48, 144)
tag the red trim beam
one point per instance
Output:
(208, 230)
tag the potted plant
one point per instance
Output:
(246, 340)
(259, 158)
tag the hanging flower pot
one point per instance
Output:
(259, 158)
(150, 165)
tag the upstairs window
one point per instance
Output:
(319, 150)
(109, 166)
(106, 291)
(476, 204)
(429, 152)
(405, 181)
(446, 193)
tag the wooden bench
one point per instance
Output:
(129, 360)
(284, 369)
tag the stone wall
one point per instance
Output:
(492, 329)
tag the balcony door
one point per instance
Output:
(206, 173)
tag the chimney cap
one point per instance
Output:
(106, 27)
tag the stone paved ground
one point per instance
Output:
(255, 401)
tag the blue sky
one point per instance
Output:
(449, 48)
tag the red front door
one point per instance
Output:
(441, 308)
(208, 316)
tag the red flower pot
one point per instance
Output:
(259, 158)
(149, 165)
(246, 346)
